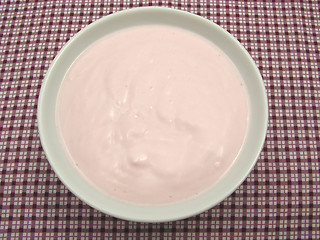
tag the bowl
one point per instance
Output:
(77, 184)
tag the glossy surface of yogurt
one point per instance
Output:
(152, 114)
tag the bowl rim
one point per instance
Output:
(153, 213)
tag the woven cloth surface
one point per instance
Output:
(280, 199)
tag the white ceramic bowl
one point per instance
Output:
(152, 15)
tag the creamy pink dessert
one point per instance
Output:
(152, 114)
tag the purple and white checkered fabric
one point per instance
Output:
(279, 200)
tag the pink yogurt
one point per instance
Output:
(152, 114)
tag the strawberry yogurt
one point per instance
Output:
(152, 114)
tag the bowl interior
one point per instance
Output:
(152, 15)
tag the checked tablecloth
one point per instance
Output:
(279, 200)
